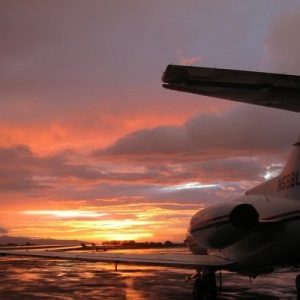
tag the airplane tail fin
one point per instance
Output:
(293, 162)
(287, 184)
(289, 179)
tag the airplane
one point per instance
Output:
(256, 233)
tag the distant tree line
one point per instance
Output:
(134, 244)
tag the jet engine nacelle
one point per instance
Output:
(222, 225)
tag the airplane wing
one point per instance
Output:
(188, 261)
(35, 247)
(266, 89)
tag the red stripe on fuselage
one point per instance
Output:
(207, 222)
(217, 220)
(282, 215)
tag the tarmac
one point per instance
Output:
(37, 278)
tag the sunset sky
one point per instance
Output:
(93, 148)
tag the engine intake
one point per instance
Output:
(220, 226)
(244, 216)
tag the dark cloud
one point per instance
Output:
(233, 168)
(16, 172)
(282, 43)
(125, 194)
(22, 170)
(25, 171)
(245, 129)
(242, 144)
(220, 149)
(162, 140)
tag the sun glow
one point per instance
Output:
(107, 225)
(190, 185)
(65, 213)
(89, 225)
(272, 171)
(268, 175)
(127, 236)
(141, 221)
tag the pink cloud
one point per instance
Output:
(187, 61)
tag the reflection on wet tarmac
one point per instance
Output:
(36, 278)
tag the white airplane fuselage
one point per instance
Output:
(259, 231)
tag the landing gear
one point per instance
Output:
(205, 287)
(298, 286)
(198, 289)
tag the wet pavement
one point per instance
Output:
(36, 278)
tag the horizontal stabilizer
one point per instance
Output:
(266, 89)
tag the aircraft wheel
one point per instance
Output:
(298, 286)
(198, 289)
(206, 288)
(210, 286)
